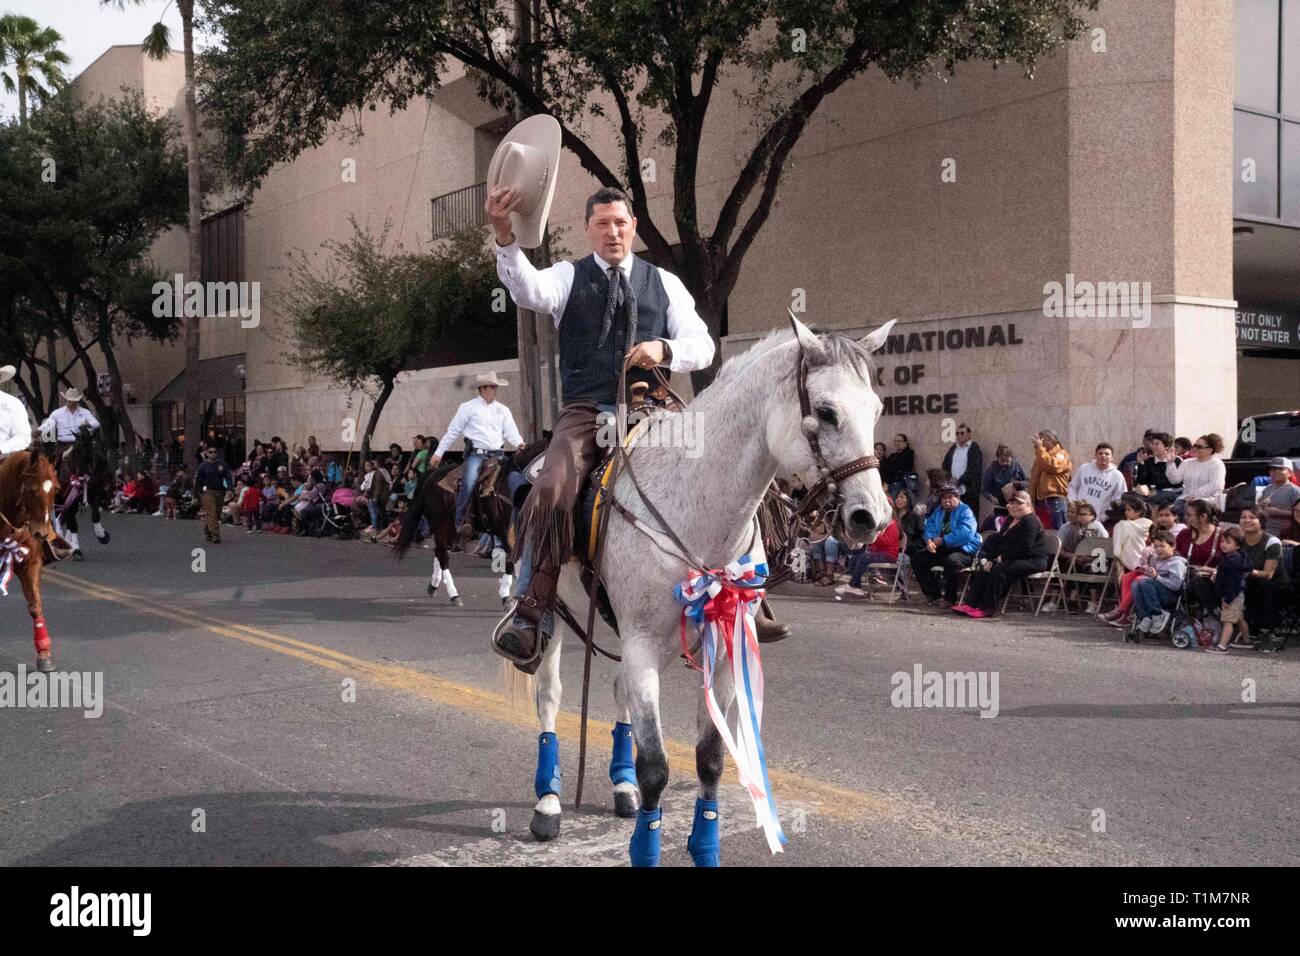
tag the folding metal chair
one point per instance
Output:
(969, 570)
(895, 566)
(1049, 577)
(1092, 563)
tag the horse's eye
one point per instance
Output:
(827, 414)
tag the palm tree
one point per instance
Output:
(158, 46)
(38, 62)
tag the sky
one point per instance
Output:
(89, 28)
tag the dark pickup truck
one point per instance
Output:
(1272, 434)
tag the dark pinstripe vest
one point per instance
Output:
(588, 373)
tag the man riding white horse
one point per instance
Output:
(610, 308)
(63, 426)
(487, 424)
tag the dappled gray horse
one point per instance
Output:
(751, 425)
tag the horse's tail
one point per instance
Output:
(411, 523)
(519, 689)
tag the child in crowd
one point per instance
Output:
(1083, 523)
(250, 506)
(394, 528)
(1230, 589)
(1167, 520)
(1156, 592)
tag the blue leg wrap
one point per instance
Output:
(644, 848)
(548, 766)
(622, 767)
(704, 845)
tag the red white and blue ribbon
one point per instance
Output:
(70, 502)
(11, 553)
(720, 605)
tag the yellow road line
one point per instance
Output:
(835, 801)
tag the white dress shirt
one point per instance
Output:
(487, 426)
(69, 423)
(547, 291)
(960, 453)
(15, 426)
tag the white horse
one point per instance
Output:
(749, 425)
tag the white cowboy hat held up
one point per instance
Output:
(7, 372)
(528, 160)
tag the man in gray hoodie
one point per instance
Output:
(1099, 482)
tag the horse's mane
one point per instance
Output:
(839, 349)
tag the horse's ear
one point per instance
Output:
(809, 344)
(874, 340)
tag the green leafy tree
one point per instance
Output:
(85, 189)
(290, 70)
(365, 312)
(36, 60)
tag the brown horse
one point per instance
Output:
(28, 484)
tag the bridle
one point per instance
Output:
(824, 496)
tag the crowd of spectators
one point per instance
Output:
(276, 489)
(1183, 543)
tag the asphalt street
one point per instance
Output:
(228, 736)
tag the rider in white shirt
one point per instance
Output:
(63, 423)
(488, 424)
(15, 425)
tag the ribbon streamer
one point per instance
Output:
(721, 606)
(11, 553)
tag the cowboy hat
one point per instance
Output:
(488, 378)
(72, 395)
(7, 372)
(528, 160)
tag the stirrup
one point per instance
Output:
(531, 664)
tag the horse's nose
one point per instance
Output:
(861, 521)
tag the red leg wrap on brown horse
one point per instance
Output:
(42, 636)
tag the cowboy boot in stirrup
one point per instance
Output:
(767, 628)
(519, 641)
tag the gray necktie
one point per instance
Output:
(619, 290)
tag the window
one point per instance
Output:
(1255, 152)
(223, 246)
(1266, 120)
(462, 209)
(1255, 74)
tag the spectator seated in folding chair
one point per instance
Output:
(951, 542)
(1266, 582)
(869, 561)
(1159, 590)
(1007, 557)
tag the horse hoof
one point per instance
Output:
(457, 602)
(78, 556)
(545, 826)
(105, 539)
(429, 589)
(626, 804)
(45, 664)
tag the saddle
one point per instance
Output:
(491, 483)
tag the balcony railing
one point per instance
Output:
(462, 209)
